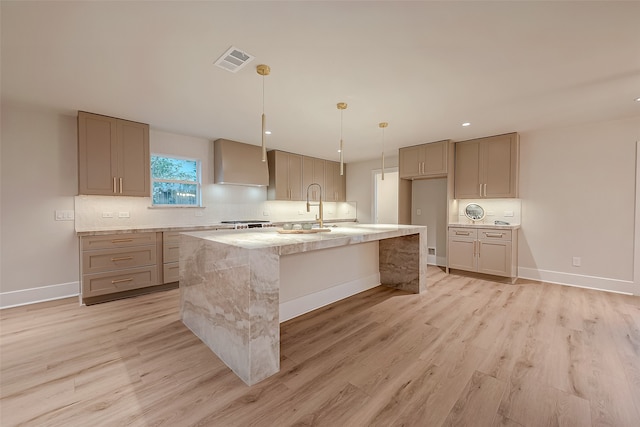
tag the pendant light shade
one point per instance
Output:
(341, 106)
(382, 126)
(263, 70)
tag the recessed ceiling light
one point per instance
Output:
(637, 99)
(465, 124)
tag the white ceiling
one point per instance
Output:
(424, 67)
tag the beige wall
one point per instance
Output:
(577, 187)
(39, 176)
(430, 197)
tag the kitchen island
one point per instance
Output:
(230, 281)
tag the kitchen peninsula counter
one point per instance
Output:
(230, 281)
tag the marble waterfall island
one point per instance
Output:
(232, 282)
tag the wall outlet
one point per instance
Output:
(107, 214)
(65, 215)
(199, 213)
(490, 213)
(508, 213)
(577, 261)
(123, 214)
(265, 213)
(418, 211)
(301, 212)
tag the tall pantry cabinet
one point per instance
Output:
(113, 156)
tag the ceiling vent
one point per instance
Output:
(234, 60)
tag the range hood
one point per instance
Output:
(239, 163)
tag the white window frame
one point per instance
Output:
(198, 183)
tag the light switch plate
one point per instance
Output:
(64, 215)
(107, 214)
(418, 211)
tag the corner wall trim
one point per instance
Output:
(580, 281)
(41, 294)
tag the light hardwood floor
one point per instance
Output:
(468, 352)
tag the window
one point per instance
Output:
(175, 181)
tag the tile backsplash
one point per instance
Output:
(222, 202)
(508, 210)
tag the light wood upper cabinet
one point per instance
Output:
(313, 171)
(113, 156)
(424, 161)
(487, 167)
(335, 185)
(290, 175)
(285, 176)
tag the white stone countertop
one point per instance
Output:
(491, 226)
(129, 230)
(284, 244)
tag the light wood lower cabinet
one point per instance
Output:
(171, 256)
(114, 263)
(484, 250)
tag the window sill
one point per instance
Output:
(175, 207)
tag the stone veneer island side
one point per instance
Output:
(230, 283)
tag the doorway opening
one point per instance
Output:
(385, 196)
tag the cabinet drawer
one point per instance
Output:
(171, 237)
(495, 235)
(117, 259)
(117, 241)
(123, 280)
(170, 252)
(463, 232)
(171, 272)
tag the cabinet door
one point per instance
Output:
(97, 154)
(332, 181)
(462, 253)
(133, 159)
(499, 166)
(494, 258)
(410, 162)
(295, 177)
(313, 171)
(467, 173)
(435, 159)
(341, 184)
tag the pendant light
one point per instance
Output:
(382, 126)
(341, 106)
(263, 70)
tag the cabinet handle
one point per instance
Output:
(493, 234)
(462, 233)
(480, 190)
(485, 190)
(121, 240)
(173, 268)
(174, 247)
(114, 185)
(122, 258)
(120, 185)
(130, 279)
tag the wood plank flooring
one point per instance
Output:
(468, 352)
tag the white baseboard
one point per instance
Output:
(34, 295)
(581, 281)
(307, 303)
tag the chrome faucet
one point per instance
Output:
(319, 204)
